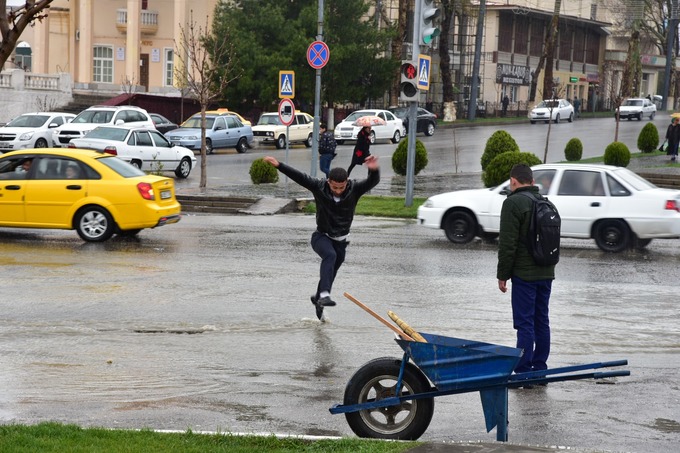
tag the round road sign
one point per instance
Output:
(318, 54)
(286, 111)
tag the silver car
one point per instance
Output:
(552, 110)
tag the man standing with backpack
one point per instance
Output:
(527, 253)
(327, 147)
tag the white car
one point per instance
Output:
(145, 148)
(100, 115)
(612, 205)
(393, 129)
(270, 131)
(31, 130)
(636, 108)
(552, 110)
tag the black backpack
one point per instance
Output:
(543, 238)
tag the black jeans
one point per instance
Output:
(332, 255)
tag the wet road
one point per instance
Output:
(207, 325)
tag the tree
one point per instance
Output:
(547, 57)
(359, 67)
(400, 38)
(13, 24)
(206, 67)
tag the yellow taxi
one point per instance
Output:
(96, 194)
(226, 111)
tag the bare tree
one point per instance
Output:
(206, 67)
(129, 86)
(397, 44)
(14, 22)
(552, 101)
(547, 57)
(445, 44)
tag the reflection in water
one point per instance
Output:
(324, 351)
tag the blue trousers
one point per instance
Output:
(530, 319)
(325, 162)
(332, 255)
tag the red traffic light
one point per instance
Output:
(408, 70)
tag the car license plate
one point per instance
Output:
(5, 145)
(165, 194)
(346, 134)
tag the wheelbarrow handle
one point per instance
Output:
(380, 318)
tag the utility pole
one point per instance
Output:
(672, 25)
(317, 97)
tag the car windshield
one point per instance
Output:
(94, 116)
(356, 115)
(28, 121)
(548, 104)
(401, 112)
(633, 102)
(269, 120)
(635, 181)
(195, 122)
(120, 166)
(108, 133)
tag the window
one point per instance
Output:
(543, 179)
(521, 35)
(592, 48)
(220, 124)
(103, 64)
(537, 32)
(505, 33)
(616, 188)
(565, 42)
(579, 44)
(160, 140)
(232, 122)
(143, 139)
(581, 183)
(169, 67)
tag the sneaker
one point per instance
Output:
(326, 302)
(319, 313)
(313, 298)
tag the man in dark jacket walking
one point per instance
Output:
(531, 283)
(336, 200)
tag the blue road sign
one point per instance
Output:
(318, 54)
(286, 84)
(424, 72)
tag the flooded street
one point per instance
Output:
(207, 325)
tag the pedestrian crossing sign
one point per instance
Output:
(286, 84)
(424, 72)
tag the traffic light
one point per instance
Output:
(428, 31)
(408, 88)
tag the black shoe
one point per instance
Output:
(326, 302)
(313, 298)
(319, 313)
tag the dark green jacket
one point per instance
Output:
(514, 258)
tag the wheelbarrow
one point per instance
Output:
(393, 398)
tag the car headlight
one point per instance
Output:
(192, 137)
(270, 134)
(26, 135)
(428, 203)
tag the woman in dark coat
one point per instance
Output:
(673, 138)
(361, 149)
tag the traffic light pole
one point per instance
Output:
(413, 112)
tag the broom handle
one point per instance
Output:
(379, 318)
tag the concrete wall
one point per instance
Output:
(23, 92)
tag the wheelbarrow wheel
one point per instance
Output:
(377, 380)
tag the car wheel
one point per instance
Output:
(639, 117)
(571, 117)
(460, 227)
(94, 224)
(309, 141)
(533, 122)
(208, 146)
(397, 137)
(557, 118)
(281, 142)
(136, 164)
(641, 243)
(371, 137)
(612, 235)
(339, 142)
(652, 115)
(242, 145)
(184, 168)
(429, 130)
(41, 143)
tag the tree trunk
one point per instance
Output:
(449, 109)
(397, 45)
(547, 58)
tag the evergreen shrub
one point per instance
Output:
(498, 170)
(499, 142)
(648, 139)
(400, 155)
(262, 172)
(574, 150)
(618, 154)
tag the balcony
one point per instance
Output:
(148, 21)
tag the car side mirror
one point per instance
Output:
(505, 191)
(52, 125)
(119, 122)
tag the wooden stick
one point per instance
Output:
(379, 318)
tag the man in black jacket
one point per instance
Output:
(336, 199)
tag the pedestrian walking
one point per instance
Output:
(531, 283)
(327, 147)
(577, 107)
(361, 149)
(673, 138)
(336, 199)
(505, 102)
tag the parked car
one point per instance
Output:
(146, 149)
(270, 131)
(31, 130)
(612, 205)
(105, 195)
(100, 115)
(636, 108)
(427, 121)
(225, 111)
(392, 130)
(222, 131)
(552, 110)
(162, 124)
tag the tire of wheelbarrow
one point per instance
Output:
(377, 379)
